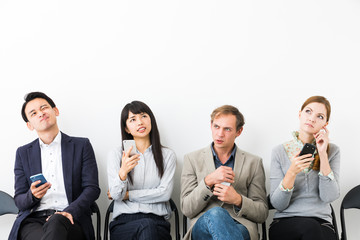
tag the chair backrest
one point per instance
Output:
(95, 209)
(334, 222)
(107, 219)
(111, 209)
(175, 210)
(351, 200)
(184, 225)
(7, 205)
(263, 225)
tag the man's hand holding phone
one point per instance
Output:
(41, 190)
(221, 180)
(227, 194)
(128, 163)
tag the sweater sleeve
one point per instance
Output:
(117, 187)
(329, 189)
(279, 199)
(194, 195)
(254, 205)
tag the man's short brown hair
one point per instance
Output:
(229, 110)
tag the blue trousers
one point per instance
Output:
(217, 223)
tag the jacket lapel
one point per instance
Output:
(67, 153)
(34, 158)
(208, 160)
(238, 166)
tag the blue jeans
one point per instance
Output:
(217, 223)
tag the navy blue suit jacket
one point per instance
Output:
(80, 177)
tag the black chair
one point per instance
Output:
(351, 200)
(334, 222)
(95, 209)
(111, 208)
(107, 219)
(263, 225)
(184, 225)
(7, 205)
(175, 210)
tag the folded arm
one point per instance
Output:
(161, 193)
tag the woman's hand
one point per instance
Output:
(300, 163)
(126, 197)
(128, 164)
(109, 195)
(322, 140)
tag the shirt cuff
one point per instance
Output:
(330, 175)
(210, 188)
(282, 188)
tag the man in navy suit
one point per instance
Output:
(60, 208)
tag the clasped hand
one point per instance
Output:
(224, 193)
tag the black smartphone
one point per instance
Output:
(307, 149)
(37, 177)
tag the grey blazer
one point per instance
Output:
(196, 198)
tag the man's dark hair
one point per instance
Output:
(31, 96)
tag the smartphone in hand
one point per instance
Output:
(307, 149)
(127, 144)
(37, 177)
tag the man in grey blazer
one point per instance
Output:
(223, 187)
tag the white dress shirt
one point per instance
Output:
(52, 169)
(148, 193)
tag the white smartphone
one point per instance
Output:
(127, 144)
(225, 183)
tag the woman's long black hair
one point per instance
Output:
(137, 107)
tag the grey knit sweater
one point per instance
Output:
(312, 193)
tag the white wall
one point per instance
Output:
(183, 58)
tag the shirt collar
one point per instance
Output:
(297, 139)
(216, 156)
(149, 149)
(57, 140)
